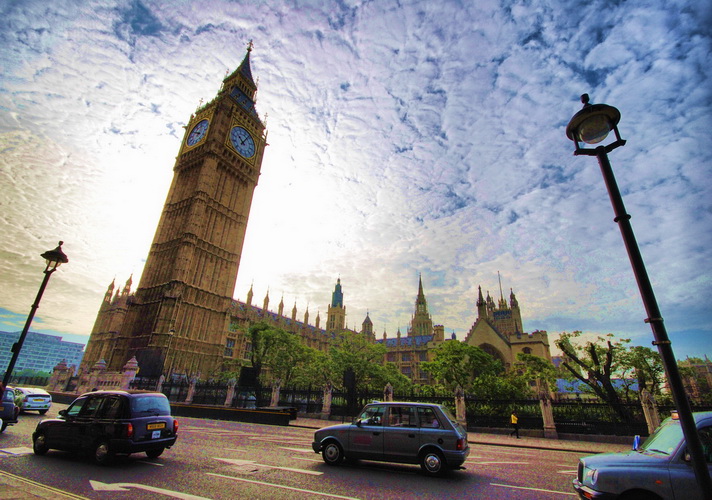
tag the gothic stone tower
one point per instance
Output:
(178, 319)
(336, 312)
(421, 324)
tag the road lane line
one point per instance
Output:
(304, 459)
(238, 462)
(574, 472)
(21, 450)
(61, 493)
(262, 483)
(298, 450)
(534, 489)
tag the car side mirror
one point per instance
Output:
(62, 413)
(686, 456)
(358, 422)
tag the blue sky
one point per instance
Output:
(406, 138)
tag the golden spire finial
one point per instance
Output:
(249, 46)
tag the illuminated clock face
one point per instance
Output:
(196, 135)
(242, 141)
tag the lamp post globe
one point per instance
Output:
(591, 125)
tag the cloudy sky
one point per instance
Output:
(405, 138)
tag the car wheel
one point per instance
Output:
(332, 453)
(39, 446)
(103, 454)
(42, 412)
(154, 453)
(432, 462)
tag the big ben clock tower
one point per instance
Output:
(177, 320)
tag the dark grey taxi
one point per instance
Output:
(659, 469)
(416, 433)
(110, 423)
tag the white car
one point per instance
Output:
(31, 399)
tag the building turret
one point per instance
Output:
(336, 312)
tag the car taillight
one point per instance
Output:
(175, 426)
(461, 444)
(129, 430)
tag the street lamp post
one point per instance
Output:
(592, 125)
(54, 259)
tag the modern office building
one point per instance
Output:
(39, 352)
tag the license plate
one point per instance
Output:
(38, 400)
(160, 425)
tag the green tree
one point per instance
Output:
(390, 374)
(286, 357)
(264, 338)
(645, 367)
(356, 352)
(457, 363)
(537, 368)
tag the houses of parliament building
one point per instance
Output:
(182, 318)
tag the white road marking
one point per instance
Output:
(20, 450)
(151, 463)
(574, 472)
(304, 459)
(99, 486)
(298, 450)
(236, 449)
(262, 483)
(237, 462)
(534, 489)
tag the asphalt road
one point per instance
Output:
(233, 460)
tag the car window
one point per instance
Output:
(706, 439)
(8, 395)
(373, 415)
(76, 407)
(402, 416)
(150, 404)
(428, 418)
(89, 409)
(111, 408)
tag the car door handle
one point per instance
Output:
(376, 433)
(411, 435)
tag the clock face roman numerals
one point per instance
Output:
(242, 141)
(198, 133)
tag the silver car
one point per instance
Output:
(660, 469)
(32, 399)
(415, 433)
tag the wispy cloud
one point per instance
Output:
(404, 139)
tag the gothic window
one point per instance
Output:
(527, 350)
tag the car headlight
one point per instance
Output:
(591, 476)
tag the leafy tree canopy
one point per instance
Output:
(457, 363)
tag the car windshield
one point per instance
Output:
(149, 405)
(665, 439)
